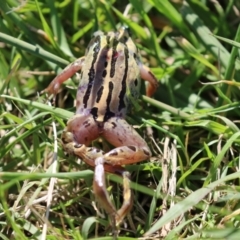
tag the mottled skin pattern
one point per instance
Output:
(110, 77)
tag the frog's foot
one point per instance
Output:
(99, 188)
(87, 154)
(127, 199)
(68, 142)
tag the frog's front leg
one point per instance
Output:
(67, 72)
(147, 75)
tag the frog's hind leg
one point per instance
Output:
(102, 196)
(79, 133)
(131, 148)
(83, 128)
(76, 137)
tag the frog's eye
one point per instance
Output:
(124, 34)
(97, 33)
(127, 31)
(95, 40)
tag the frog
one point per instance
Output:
(110, 77)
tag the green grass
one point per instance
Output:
(190, 186)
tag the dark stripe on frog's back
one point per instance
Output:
(108, 113)
(101, 107)
(106, 93)
(100, 89)
(98, 84)
(106, 101)
(91, 72)
(116, 85)
(114, 57)
(122, 93)
(94, 74)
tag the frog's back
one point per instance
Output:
(109, 74)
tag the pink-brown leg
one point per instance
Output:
(147, 75)
(67, 72)
(131, 148)
(80, 131)
(99, 188)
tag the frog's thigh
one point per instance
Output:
(83, 128)
(78, 134)
(131, 147)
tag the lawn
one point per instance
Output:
(188, 188)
